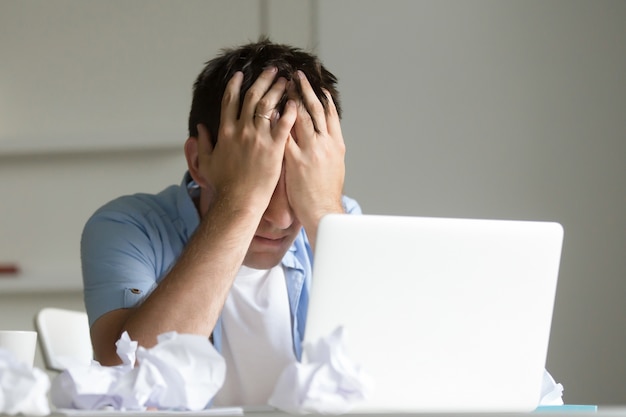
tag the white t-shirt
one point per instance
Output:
(256, 336)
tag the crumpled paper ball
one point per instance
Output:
(23, 390)
(551, 391)
(329, 382)
(326, 382)
(181, 372)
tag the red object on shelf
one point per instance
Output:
(7, 270)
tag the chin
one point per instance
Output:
(263, 259)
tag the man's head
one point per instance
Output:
(252, 59)
(279, 224)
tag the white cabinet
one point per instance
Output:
(82, 76)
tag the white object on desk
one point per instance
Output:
(21, 344)
(181, 372)
(64, 337)
(447, 315)
(23, 388)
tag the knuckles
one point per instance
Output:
(253, 95)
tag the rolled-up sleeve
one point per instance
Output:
(118, 264)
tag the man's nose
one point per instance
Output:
(278, 213)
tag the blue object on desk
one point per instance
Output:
(566, 408)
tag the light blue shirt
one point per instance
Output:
(130, 244)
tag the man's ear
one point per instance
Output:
(197, 151)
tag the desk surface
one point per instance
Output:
(601, 412)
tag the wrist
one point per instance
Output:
(311, 221)
(239, 199)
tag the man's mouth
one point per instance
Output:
(269, 240)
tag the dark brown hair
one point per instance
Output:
(252, 59)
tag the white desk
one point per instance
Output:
(602, 412)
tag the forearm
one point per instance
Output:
(236, 180)
(190, 297)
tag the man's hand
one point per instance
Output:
(314, 161)
(242, 172)
(247, 159)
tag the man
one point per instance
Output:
(228, 253)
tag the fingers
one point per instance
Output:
(230, 100)
(259, 103)
(283, 126)
(312, 103)
(256, 99)
(332, 117)
(264, 112)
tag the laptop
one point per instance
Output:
(445, 315)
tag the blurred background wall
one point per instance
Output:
(484, 109)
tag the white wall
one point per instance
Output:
(500, 109)
(94, 98)
(472, 109)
